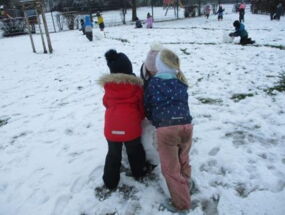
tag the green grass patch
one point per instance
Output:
(3, 122)
(240, 96)
(275, 46)
(185, 51)
(120, 39)
(279, 87)
(210, 101)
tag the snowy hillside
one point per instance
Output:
(52, 146)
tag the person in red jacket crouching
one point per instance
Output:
(123, 100)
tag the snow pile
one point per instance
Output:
(227, 38)
(99, 35)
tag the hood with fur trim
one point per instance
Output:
(120, 78)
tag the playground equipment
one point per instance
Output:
(190, 9)
(37, 6)
(172, 4)
(12, 22)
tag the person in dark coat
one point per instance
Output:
(138, 23)
(220, 13)
(279, 10)
(242, 33)
(82, 26)
(124, 113)
(241, 10)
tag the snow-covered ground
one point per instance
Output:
(52, 147)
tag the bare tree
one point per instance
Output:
(134, 10)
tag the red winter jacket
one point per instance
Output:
(123, 100)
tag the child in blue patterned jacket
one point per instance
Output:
(166, 106)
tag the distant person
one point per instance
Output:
(138, 23)
(279, 11)
(272, 10)
(149, 21)
(220, 13)
(241, 10)
(242, 33)
(82, 26)
(88, 28)
(100, 21)
(207, 11)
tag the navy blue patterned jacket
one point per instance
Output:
(166, 102)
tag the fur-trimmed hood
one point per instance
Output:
(120, 78)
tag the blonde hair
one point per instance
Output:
(181, 77)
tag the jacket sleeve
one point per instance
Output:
(236, 33)
(105, 101)
(141, 105)
(147, 103)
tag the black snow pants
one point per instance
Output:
(136, 157)
(241, 15)
(89, 35)
(246, 40)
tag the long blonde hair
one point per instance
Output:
(180, 76)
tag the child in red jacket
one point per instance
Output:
(123, 100)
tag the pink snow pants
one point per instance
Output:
(174, 143)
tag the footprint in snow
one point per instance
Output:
(60, 204)
(214, 151)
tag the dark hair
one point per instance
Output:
(236, 24)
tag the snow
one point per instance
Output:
(52, 146)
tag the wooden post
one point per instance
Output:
(29, 30)
(46, 28)
(41, 32)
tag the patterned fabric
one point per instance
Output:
(166, 102)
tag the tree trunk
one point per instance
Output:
(134, 9)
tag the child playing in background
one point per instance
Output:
(242, 33)
(207, 11)
(149, 21)
(241, 10)
(166, 106)
(123, 100)
(220, 13)
(88, 28)
(100, 21)
(138, 23)
(82, 26)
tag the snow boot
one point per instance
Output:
(149, 167)
(192, 187)
(170, 207)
